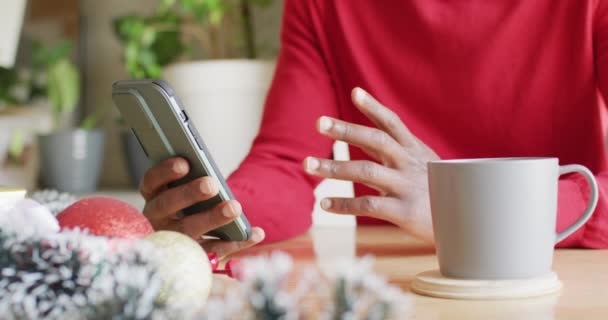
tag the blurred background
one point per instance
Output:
(58, 59)
(104, 41)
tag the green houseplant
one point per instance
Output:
(11, 93)
(70, 158)
(37, 96)
(186, 29)
(20, 89)
(207, 50)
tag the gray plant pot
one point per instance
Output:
(71, 161)
(137, 161)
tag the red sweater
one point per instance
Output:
(471, 78)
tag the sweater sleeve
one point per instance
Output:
(270, 183)
(573, 190)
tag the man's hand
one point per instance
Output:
(163, 205)
(400, 173)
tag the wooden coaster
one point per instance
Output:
(432, 283)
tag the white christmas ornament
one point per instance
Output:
(184, 268)
(27, 217)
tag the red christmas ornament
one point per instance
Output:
(104, 216)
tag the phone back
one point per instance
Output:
(162, 126)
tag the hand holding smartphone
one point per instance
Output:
(164, 130)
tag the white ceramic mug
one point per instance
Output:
(495, 218)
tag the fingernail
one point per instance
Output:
(257, 236)
(231, 210)
(360, 95)
(325, 124)
(206, 186)
(312, 164)
(179, 167)
(325, 204)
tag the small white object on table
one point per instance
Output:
(10, 196)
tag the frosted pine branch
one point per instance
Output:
(350, 290)
(73, 275)
(54, 200)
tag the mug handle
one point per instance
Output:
(590, 205)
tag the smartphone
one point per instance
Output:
(153, 112)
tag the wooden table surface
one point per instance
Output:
(399, 257)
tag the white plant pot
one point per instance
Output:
(225, 99)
